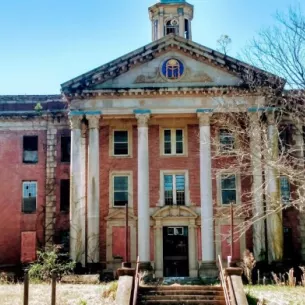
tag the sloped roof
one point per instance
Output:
(165, 44)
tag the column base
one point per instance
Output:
(208, 272)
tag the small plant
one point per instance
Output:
(3, 278)
(38, 107)
(49, 262)
(109, 291)
(82, 302)
(291, 278)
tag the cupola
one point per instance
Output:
(171, 17)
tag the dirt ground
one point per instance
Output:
(67, 294)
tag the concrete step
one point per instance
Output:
(188, 302)
(182, 297)
(182, 287)
(181, 292)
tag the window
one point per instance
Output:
(65, 148)
(173, 142)
(64, 195)
(172, 27)
(174, 189)
(228, 188)
(226, 140)
(29, 196)
(30, 149)
(120, 191)
(285, 189)
(120, 143)
(285, 138)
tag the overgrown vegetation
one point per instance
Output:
(49, 262)
(110, 290)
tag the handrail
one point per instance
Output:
(136, 283)
(223, 282)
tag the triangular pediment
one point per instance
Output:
(119, 214)
(144, 68)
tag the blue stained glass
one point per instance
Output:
(173, 69)
(168, 183)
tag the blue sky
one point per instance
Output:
(44, 43)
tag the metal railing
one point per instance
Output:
(223, 282)
(136, 283)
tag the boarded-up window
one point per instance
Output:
(29, 196)
(30, 149)
(118, 242)
(65, 148)
(64, 195)
(28, 247)
(225, 233)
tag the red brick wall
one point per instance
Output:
(12, 173)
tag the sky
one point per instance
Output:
(44, 43)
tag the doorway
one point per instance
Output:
(175, 252)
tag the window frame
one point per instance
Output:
(219, 188)
(114, 174)
(36, 197)
(173, 132)
(129, 141)
(283, 201)
(186, 187)
(221, 146)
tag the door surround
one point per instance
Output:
(175, 216)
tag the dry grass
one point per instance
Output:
(277, 295)
(40, 294)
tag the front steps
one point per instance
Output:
(180, 295)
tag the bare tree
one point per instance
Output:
(223, 44)
(280, 49)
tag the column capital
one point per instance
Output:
(94, 121)
(204, 118)
(75, 121)
(143, 119)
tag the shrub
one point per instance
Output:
(49, 262)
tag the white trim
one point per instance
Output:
(187, 187)
(128, 174)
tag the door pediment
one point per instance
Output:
(180, 212)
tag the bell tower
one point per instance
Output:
(171, 17)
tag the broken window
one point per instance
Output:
(226, 140)
(285, 189)
(285, 138)
(30, 149)
(29, 196)
(64, 195)
(228, 188)
(65, 148)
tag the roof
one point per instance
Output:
(25, 104)
(155, 49)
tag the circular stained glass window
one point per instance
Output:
(172, 69)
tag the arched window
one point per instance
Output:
(172, 27)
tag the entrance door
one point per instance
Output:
(175, 252)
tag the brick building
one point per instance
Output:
(136, 131)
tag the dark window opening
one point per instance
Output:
(64, 241)
(65, 148)
(120, 143)
(30, 149)
(64, 195)
(120, 191)
(187, 30)
(285, 138)
(172, 27)
(288, 244)
(29, 196)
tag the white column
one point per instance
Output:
(161, 24)
(207, 229)
(274, 220)
(143, 189)
(93, 190)
(158, 249)
(181, 25)
(192, 250)
(77, 199)
(259, 245)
